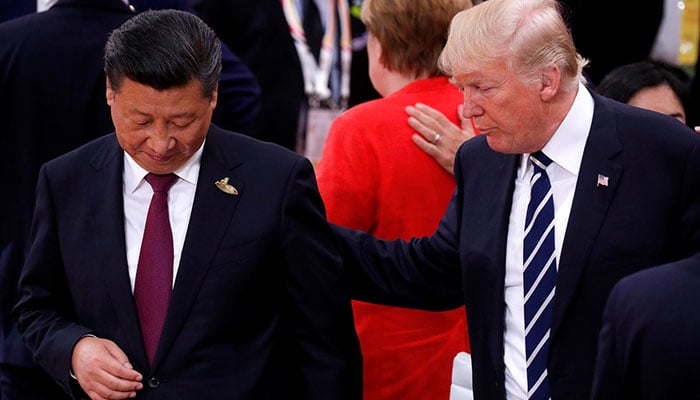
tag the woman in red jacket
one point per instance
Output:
(373, 177)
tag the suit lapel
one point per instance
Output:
(212, 212)
(106, 232)
(500, 204)
(487, 206)
(590, 205)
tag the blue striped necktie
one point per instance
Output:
(539, 277)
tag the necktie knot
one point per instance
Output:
(540, 161)
(161, 183)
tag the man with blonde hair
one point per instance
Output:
(562, 194)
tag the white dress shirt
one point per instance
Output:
(137, 198)
(565, 149)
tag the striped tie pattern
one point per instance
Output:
(540, 276)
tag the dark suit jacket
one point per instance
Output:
(258, 309)
(649, 347)
(10, 9)
(52, 99)
(648, 214)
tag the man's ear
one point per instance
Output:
(215, 97)
(551, 79)
(109, 92)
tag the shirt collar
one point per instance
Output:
(566, 146)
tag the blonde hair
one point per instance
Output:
(527, 35)
(412, 33)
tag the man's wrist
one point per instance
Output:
(72, 375)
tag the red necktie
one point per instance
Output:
(154, 276)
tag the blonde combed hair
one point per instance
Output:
(527, 35)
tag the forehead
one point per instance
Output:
(137, 94)
(480, 78)
(491, 73)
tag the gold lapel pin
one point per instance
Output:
(225, 187)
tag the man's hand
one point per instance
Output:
(439, 137)
(103, 370)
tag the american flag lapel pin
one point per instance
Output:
(602, 180)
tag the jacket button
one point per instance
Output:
(153, 382)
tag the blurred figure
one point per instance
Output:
(372, 177)
(547, 214)
(52, 87)
(609, 36)
(651, 85)
(648, 347)
(258, 32)
(175, 260)
(11, 9)
(239, 92)
(693, 109)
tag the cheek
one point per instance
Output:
(191, 140)
(130, 140)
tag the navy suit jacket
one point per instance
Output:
(647, 215)
(258, 309)
(649, 347)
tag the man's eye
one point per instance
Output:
(181, 125)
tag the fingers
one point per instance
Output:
(431, 123)
(697, 129)
(444, 158)
(438, 136)
(103, 370)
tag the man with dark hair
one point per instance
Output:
(174, 259)
(52, 100)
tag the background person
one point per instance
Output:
(652, 85)
(648, 347)
(258, 32)
(256, 304)
(52, 86)
(369, 164)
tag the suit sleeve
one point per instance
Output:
(44, 311)
(318, 310)
(422, 273)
